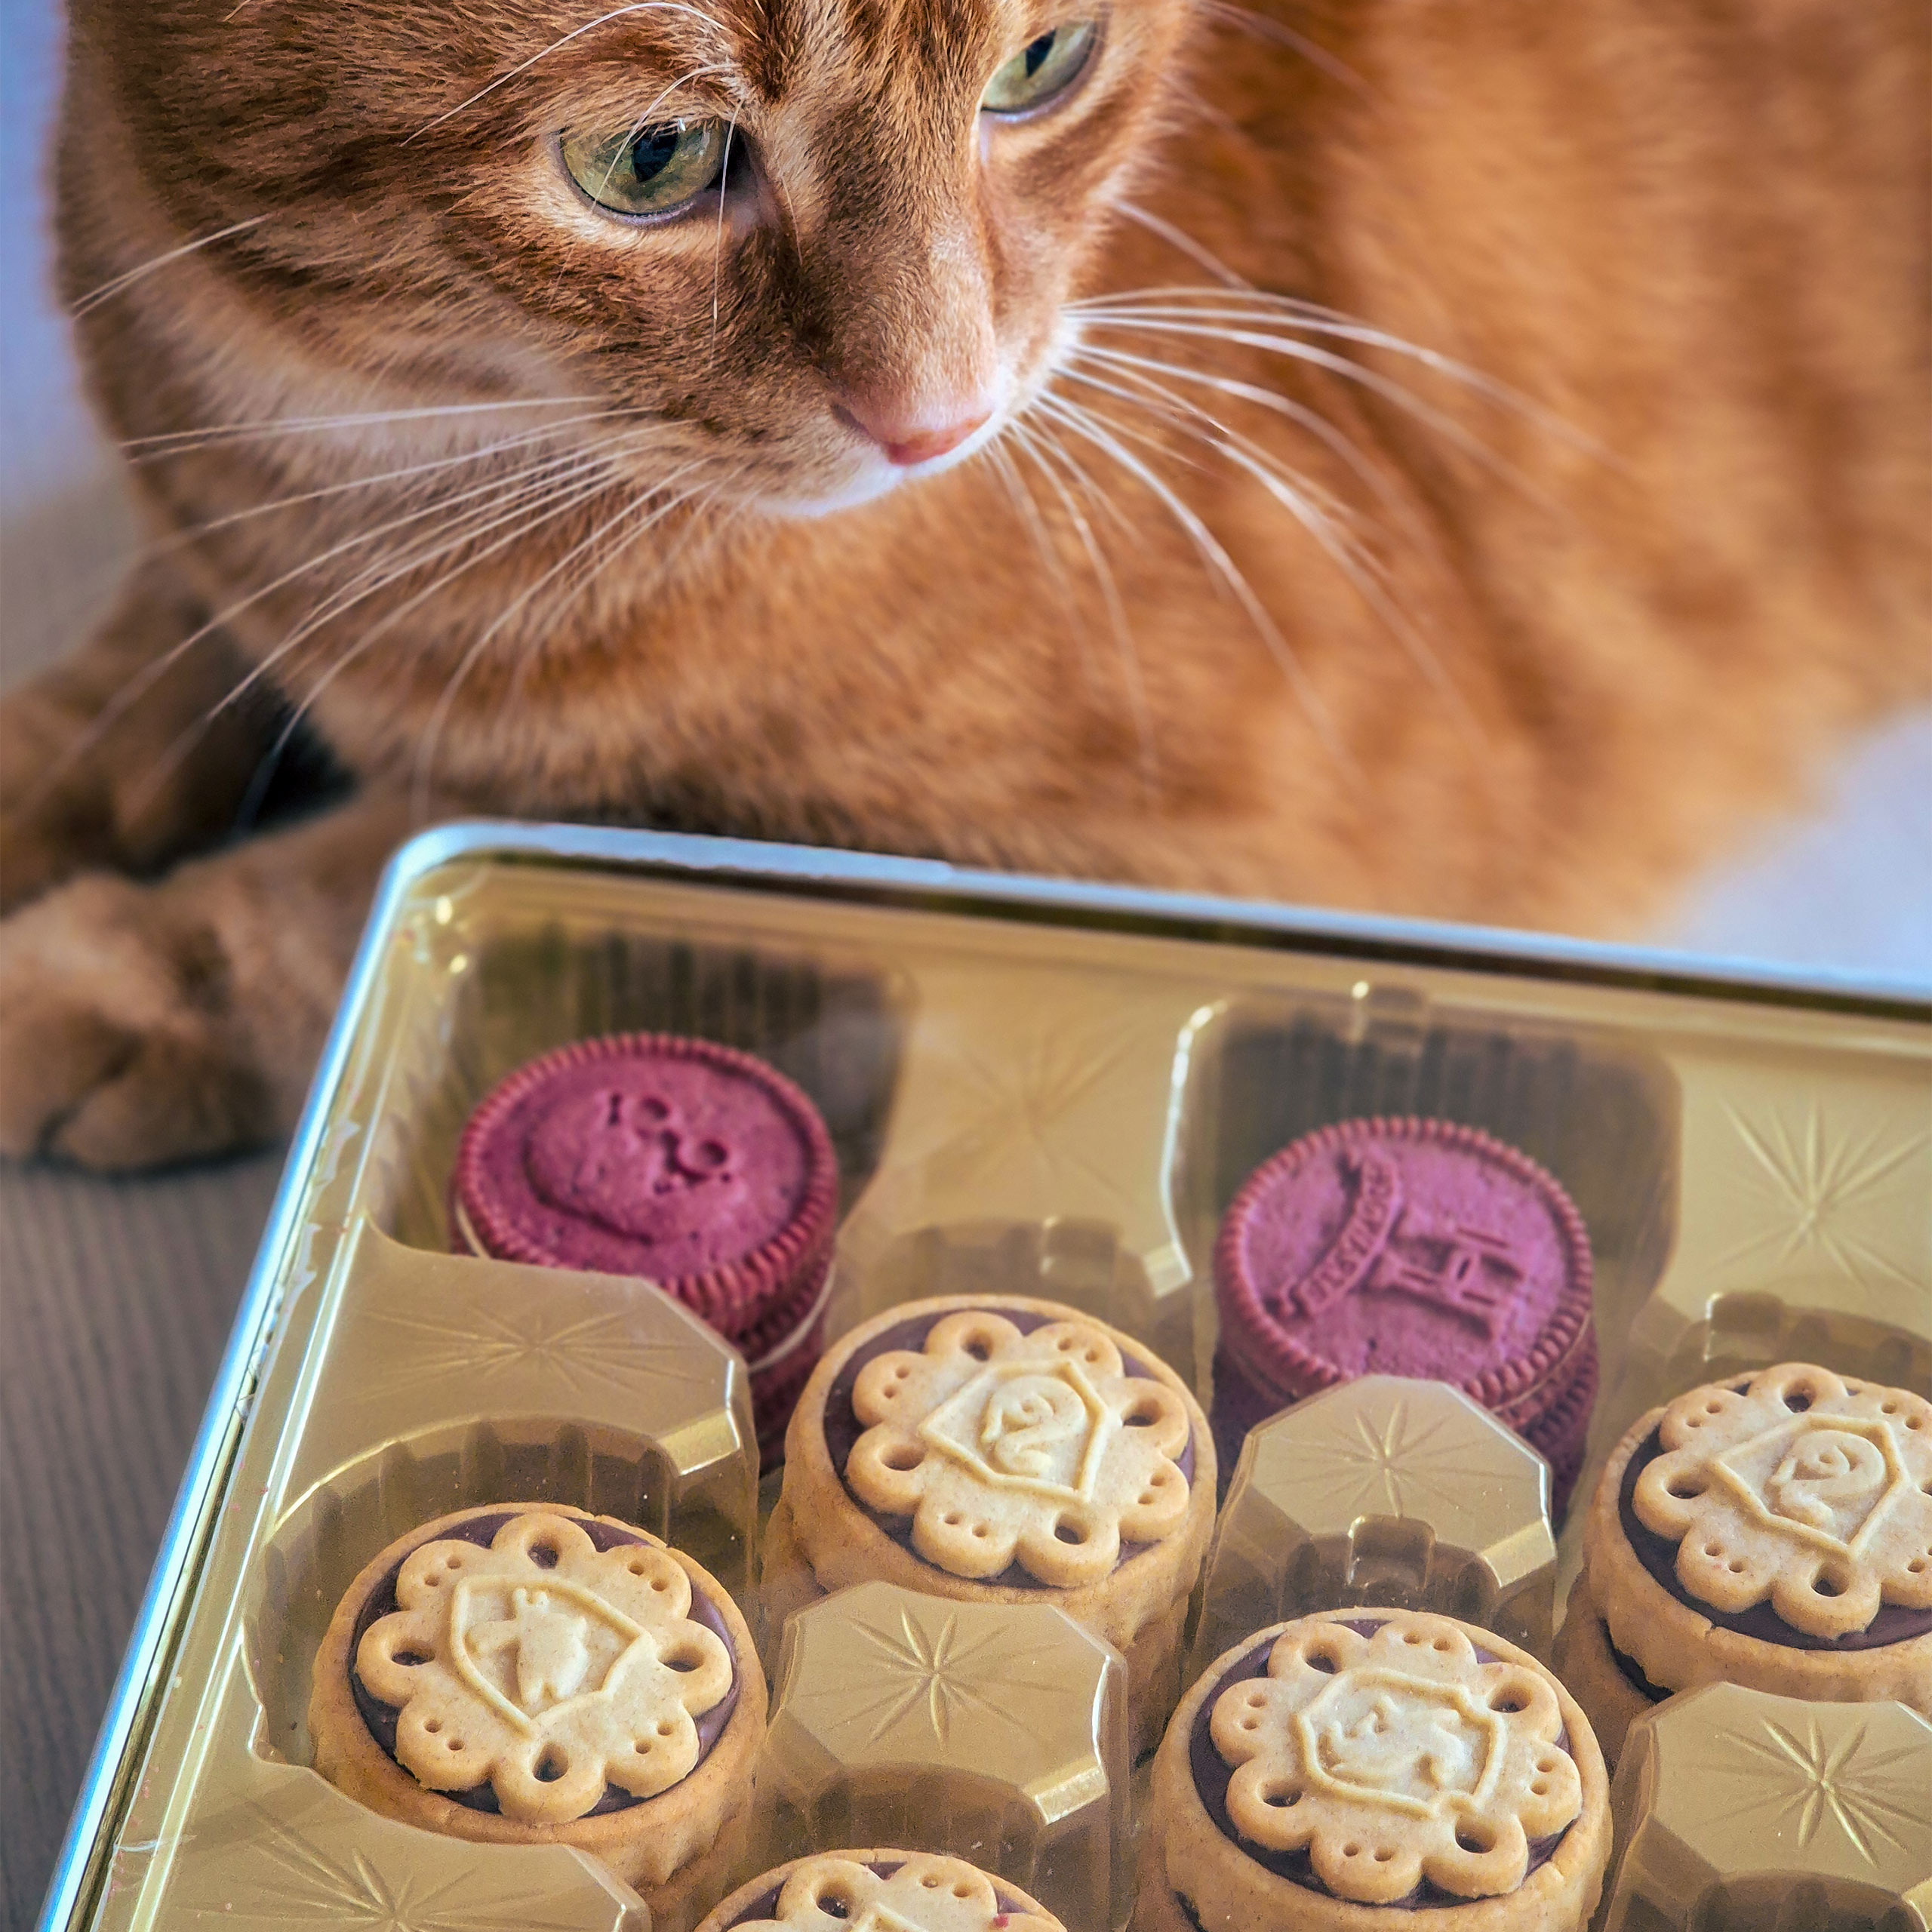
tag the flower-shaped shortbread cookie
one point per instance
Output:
(1000, 1445)
(926, 1893)
(1396, 1756)
(1814, 1492)
(545, 1667)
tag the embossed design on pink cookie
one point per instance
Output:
(628, 1161)
(696, 1166)
(1351, 1258)
(1413, 1247)
(1388, 1246)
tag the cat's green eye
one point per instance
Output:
(652, 170)
(1047, 66)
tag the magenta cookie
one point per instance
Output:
(692, 1164)
(1416, 1247)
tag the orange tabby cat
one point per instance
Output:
(939, 426)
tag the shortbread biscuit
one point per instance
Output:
(1776, 1532)
(529, 1674)
(999, 1449)
(1364, 1769)
(908, 1891)
(1612, 1692)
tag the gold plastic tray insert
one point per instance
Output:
(1388, 1491)
(1733, 1807)
(1032, 1090)
(997, 1732)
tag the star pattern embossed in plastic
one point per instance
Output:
(1735, 1784)
(932, 1678)
(1401, 1461)
(1811, 1186)
(586, 1354)
(1012, 1112)
(283, 1875)
(1803, 1785)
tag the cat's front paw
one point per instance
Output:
(120, 1042)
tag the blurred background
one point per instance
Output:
(115, 1297)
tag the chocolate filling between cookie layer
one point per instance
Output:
(1212, 1775)
(843, 1428)
(381, 1718)
(1631, 1670)
(1895, 1623)
(766, 1904)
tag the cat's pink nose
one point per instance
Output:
(906, 441)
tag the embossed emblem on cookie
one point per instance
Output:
(1394, 1757)
(624, 1157)
(1015, 1424)
(1002, 1446)
(544, 1667)
(1802, 1488)
(927, 1893)
(1388, 1244)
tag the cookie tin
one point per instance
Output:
(1033, 1088)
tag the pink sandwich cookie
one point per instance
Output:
(1416, 1247)
(692, 1164)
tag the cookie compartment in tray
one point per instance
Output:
(1596, 1106)
(1039, 1101)
(448, 1383)
(509, 983)
(407, 1385)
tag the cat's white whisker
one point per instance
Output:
(424, 763)
(150, 674)
(1261, 27)
(574, 495)
(1034, 525)
(1312, 421)
(703, 19)
(586, 573)
(718, 243)
(570, 498)
(1365, 572)
(1392, 392)
(109, 289)
(555, 490)
(1142, 391)
(175, 441)
(572, 591)
(1045, 448)
(1280, 483)
(192, 533)
(1336, 516)
(1196, 252)
(551, 488)
(379, 576)
(1260, 309)
(1106, 437)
